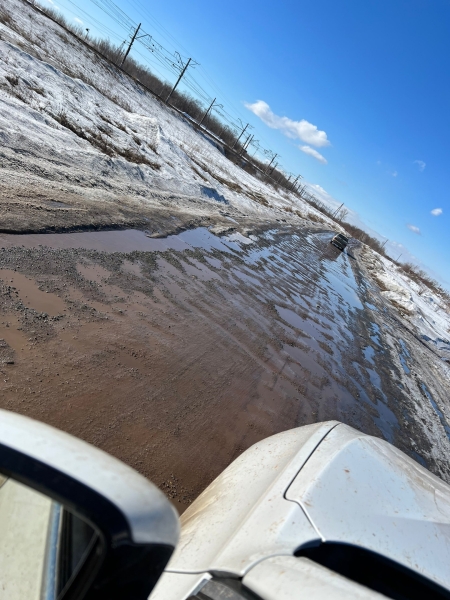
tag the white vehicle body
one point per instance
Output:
(267, 522)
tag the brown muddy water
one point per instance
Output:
(177, 354)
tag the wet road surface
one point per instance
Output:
(177, 354)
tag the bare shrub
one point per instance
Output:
(38, 90)
(364, 237)
(106, 119)
(62, 118)
(104, 130)
(423, 279)
(5, 18)
(97, 140)
(12, 79)
(341, 215)
(135, 157)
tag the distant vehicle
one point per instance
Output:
(321, 511)
(340, 241)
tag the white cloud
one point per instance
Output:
(78, 20)
(420, 164)
(413, 228)
(314, 153)
(394, 174)
(436, 212)
(302, 130)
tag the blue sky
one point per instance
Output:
(355, 96)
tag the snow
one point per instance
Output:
(62, 81)
(426, 311)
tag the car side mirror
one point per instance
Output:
(76, 523)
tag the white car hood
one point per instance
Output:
(243, 517)
(307, 486)
(362, 491)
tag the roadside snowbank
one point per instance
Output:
(426, 311)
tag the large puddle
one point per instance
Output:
(311, 286)
(128, 240)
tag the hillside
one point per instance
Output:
(78, 131)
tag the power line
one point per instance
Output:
(175, 64)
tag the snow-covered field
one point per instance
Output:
(71, 118)
(425, 311)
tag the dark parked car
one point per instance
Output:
(340, 241)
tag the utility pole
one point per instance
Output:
(399, 257)
(241, 134)
(246, 144)
(87, 33)
(178, 80)
(206, 113)
(131, 43)
(336, 211)
(384, 244)
(294, 182)
(273, 158)
(273, 168)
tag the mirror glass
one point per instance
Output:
(45, 550)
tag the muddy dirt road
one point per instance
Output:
(177, 354)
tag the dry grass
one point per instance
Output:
(258, 198)
(199, 174)
(13, 80)
(5, 18)
(98, 140)
(135, 157)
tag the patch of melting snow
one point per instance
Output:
(201, 237)
(238, 237)
(425, 310)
